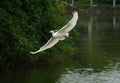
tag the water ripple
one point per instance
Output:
(110, 75)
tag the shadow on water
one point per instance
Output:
(97, 59)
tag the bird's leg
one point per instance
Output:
(70, 37)
(67, 34)
(62, 38)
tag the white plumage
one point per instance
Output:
(59, 35)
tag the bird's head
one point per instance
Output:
(52, 31)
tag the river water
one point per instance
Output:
(97, 59)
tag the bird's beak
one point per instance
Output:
(73, 12)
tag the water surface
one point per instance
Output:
(97, 59)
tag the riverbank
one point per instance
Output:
(87, 10)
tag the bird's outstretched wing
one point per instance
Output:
(51, 42)
(70, 25)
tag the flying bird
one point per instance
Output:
(59, 35)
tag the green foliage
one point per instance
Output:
(25, 26)
(59, 8)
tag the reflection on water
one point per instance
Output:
(87, 75)
(96, 61)
(99, 53)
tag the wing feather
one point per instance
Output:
(51, 42)
(54, 40)
(70, 25)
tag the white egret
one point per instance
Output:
(60, 34)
